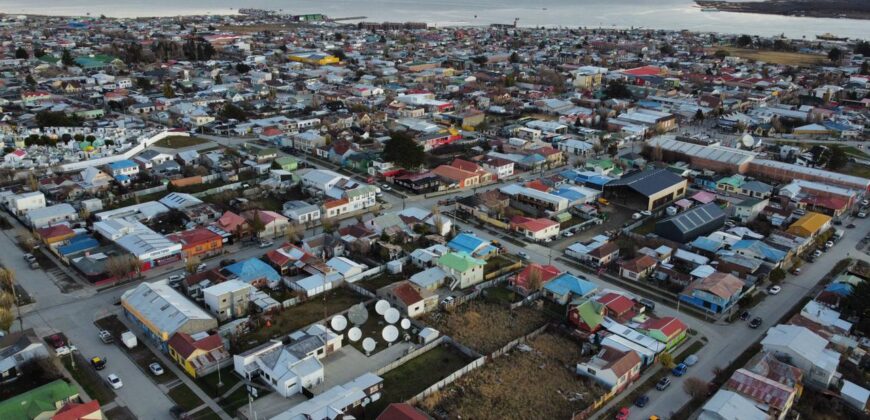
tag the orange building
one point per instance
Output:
(198, 241)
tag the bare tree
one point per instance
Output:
(696, 387)
(191, 264)
(295, 232)
(6, 319)
(328, 225)
(535, 279)
(666, 360)
(27, 239)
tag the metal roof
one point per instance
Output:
(696, 218)
(648, 182)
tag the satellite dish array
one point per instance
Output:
(358, 315)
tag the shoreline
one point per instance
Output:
(829, 9)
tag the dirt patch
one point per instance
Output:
(500, 389)
(484, 326)
(774, 57)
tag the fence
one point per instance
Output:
(359, 289)
(215, 190)
(526, 300)
(143, 143)
(509, 346)
(290, 302)
(152, 190)
(411, 355)
(448, 380)
(504, 270)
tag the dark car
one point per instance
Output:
(744, 316)
(648, 304)
(663, 383)
(641, 400)
(227, 261)
(755, 323)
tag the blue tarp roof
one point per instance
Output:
(842, 289)
(126, 163)
(706, 244)
(253, 269)
(78, 243)
(570, 194)
(566, 283)
(466, 242)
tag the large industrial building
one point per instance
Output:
(646, 190)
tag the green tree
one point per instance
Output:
(480, 60)
(243, 68)
(66, 58)
(699, 115)
(230, 111)
(404, 151)
(838, 158)
(666, 49)
(721, 54)
(514, 58)
(617, 90)
(30, 80)
(168, 91)
(744, 41)
(863, 48)
(835, 55)
(776, 276)
(339, 53)
(21, 53)
(143, 83)
(666, 360)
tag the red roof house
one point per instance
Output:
(618, 306)
(544, 274)
(79, 411)
(402, 411)
(668, 330)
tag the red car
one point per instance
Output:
(623, 413)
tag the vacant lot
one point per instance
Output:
(539, 384)
(410, 379)
(774, 57)
(184, 397)
(291, 319)
(180, 142)
(486, 327)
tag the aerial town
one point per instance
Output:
(290, 217)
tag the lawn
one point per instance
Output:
(374, 283)
(856, 169)
(497, 262)
(184, 397)
(121, 413)
(89, 379)
(501, 295)
(416, 375)
(522, 385)
(774, 57)
(484, 326)
(648, 226)
(180, 142)
(209, 383)
(291, 319)
(236, 400)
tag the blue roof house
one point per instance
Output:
(758, 250)
(124, 167)
(472, 245)
(254, 272)
(562, 288)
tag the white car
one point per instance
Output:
(636, 216)
(567, 234)
(65, 350)
(114, 381)
(156, 369)
(386, 187)
(266, 244)
(773, 290)
(817, 254)
(176, 277)
(829, 244)
(865, 203)
(446, 301)
(646, 213)
(200, 268)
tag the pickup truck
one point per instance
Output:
(106, 337)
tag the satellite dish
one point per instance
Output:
(358, 314)
(390, 333)
(338, 323)
(748, 141)
(392, 315)
(354, 334)
(382, 306)
(366, 401)
(406, 323)
(369, 344)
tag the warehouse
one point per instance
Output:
(692, 223)
(646, 190)
(160, 311)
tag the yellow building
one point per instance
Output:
(314, 57)
(810, 225)
(199, 354)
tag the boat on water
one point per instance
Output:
(831, 37)
(709, 9)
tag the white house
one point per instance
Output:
(805, 350)
(320, 179)
(22, 203)
(301, 212)
(229, 299)
(51, 215)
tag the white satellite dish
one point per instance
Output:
(406, 323)
(358, 314)
(382, 306)
(369, 344)
(392, 315)
(390, 333)
(354, 334)
(338, 323)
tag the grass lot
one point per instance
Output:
(648, 226)
(539, 384)
(413, 377)
(372, 284)
(486, 327)
(236, 400)
(208, 383)
(180, 142)
(291, 319)
(501, 295)
(206, 414)
(774, 57)
(856, 169)
(184, 397)
(89, 379)
(497, 262)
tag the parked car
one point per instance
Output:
(862, 215)
(156, 369)
(774, 290)
(623, 413)
(648, 304)
(567, 234)
(266, 244)
(680, 369)
(755, 323)
(65, 350)
(29, 258)
(641, 400)
(386, 187)
(838, 222)
(663, 383)
(523, 255)
(178, 413)
(448, 300)
(227, 261)
(829, 244)
(744, 316)
(691, 360)
(114, 381)
(201, 267)
(850, 226)
(106, 337)
(865, 203)
(817, 253)
(636, 216)
(98, 362)
(175, 278)
(796, 271)
(468, 231)
(646, 212)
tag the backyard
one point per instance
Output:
(501, 295)
(540, 383)
(421, 372)
(285, 321)
(485, 326)
(179, 142)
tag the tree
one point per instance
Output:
(243, 68)
(339, 53)
(835, 55)
(143, 83)
(863, 48)
(838, 158)
(699, 115)
(480, 60)
(666, 360)
(192, 264)
(328, 225)
(295, 232)
(535, 279)
(404, 151)
(66, 58)
(28, 240)
(230, 111)
(6, 319)
(514, 58)
(744, 41)
(721, 54)
(617, 90)
(696, 387)
(257, 225)
(21, 53)
(666, 49)
(776, 276)
(168, 91)
(30, 80)
(118, 266)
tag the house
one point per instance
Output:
(646, 190)
(160, 311)
(617, 306)
(810, 225)
(715, 293)
(80, 411)
(566, 286)
(273, 224)
(805, 350)
(124, 167)
(574, 147)
(587, 315)
(339, 400)
(465, 270)
(637, 268)
(464, 174)
(749, 209)
(56, 234)
(45, 216)
(535, 229)
(254, 272)
(429, 279)
(604, 254)
(402, 411)
(20, 204)
(534, 276)
(199, 354)
(287, 163)
(39, 403)
(692, 223)
(411, 300)
(301, 212)
(471, 244)
(233, 223)
(667, 329)
(729, 405)
(756, 189)
(228, 300)
(772, 396)
(198, 242)
(16, 349)
(613, 368)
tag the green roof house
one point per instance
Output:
(588, 315)
(465, 270)
(730, 183)
(604, 166)
(94, 62)
(40, 402)
(287, 163)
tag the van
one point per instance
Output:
(648, 304)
